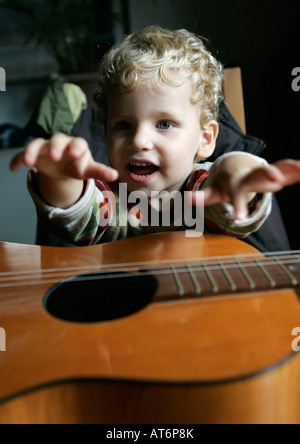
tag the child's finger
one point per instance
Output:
(263, 180)
(212, 197)
(290, 169)
(17, 162)
(99, 171)
(240, 205)
(58, 144)
(33, 151)
(77, 148)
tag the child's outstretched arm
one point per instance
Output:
(63, 163)
(237, 179)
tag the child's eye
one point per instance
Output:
(165, 125)
(122, 125)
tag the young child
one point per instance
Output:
(158, 98)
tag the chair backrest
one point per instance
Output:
(234, 97)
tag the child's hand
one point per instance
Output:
(240, 187)
(63, 163)
(63, 157)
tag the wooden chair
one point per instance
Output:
(233, 93)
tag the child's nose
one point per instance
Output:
(141, 140)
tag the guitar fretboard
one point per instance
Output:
(215, 278)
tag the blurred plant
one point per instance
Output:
(76, 32)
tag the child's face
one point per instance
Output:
(154, 136)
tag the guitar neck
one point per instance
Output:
(215, 278)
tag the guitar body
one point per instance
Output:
(222, 359)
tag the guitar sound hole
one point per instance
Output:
(100, 297)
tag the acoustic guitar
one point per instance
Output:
(160, 329)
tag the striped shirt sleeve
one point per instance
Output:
(82, 224)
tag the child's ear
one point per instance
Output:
(208, 141)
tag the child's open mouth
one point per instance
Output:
(142, 172)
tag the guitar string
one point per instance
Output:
(160, 264)
(11, 280)
(149, 265)
(127, 266)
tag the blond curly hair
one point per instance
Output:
(163, 55)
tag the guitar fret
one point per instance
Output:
(265, 273)
(177, 281)
(211, 279)
(246, 275)
(287, 272)
(228, 277)
(194, 279)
